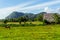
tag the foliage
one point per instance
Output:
(40, 16)
(56, 17)
(22, 19)
(58, 20)
(47, 32)
(5, 21)
(46, 22)
(13, 20)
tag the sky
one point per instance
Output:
(28, 6)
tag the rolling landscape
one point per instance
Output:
(31, 20)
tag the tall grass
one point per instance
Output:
(48, 32)
(30, 32)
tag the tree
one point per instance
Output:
(56, 17)
(40, 16)
(22, 19)
(5, 21)
(6, 26)
(35, 19)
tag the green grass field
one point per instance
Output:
(47, 32)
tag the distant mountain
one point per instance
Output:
(30, 15)
(15, 15)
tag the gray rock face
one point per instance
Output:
(15, 15)
(49, 17)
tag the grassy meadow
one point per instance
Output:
(46, 32)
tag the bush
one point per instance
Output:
(5, 21)
(46, 22)
(28, 24)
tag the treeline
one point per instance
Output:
(54, 19)
(25, 17)
(31, 17)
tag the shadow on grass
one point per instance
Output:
(24, 25)
(21, 25)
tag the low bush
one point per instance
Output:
(47, 22)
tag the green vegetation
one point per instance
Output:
(18, 32)
(22, 19)
(30, 33)
(5, 21)
(29, 27)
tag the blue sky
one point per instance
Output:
(33, 6)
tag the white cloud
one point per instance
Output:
(58, 10)
(50, 10)
(6, 11)
(39, 6)
(21, 7)
(47, 10)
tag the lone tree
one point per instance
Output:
(22, 19)
(5, 22)
(56, 17)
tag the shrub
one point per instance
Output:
(46, 22)
(5, 21)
